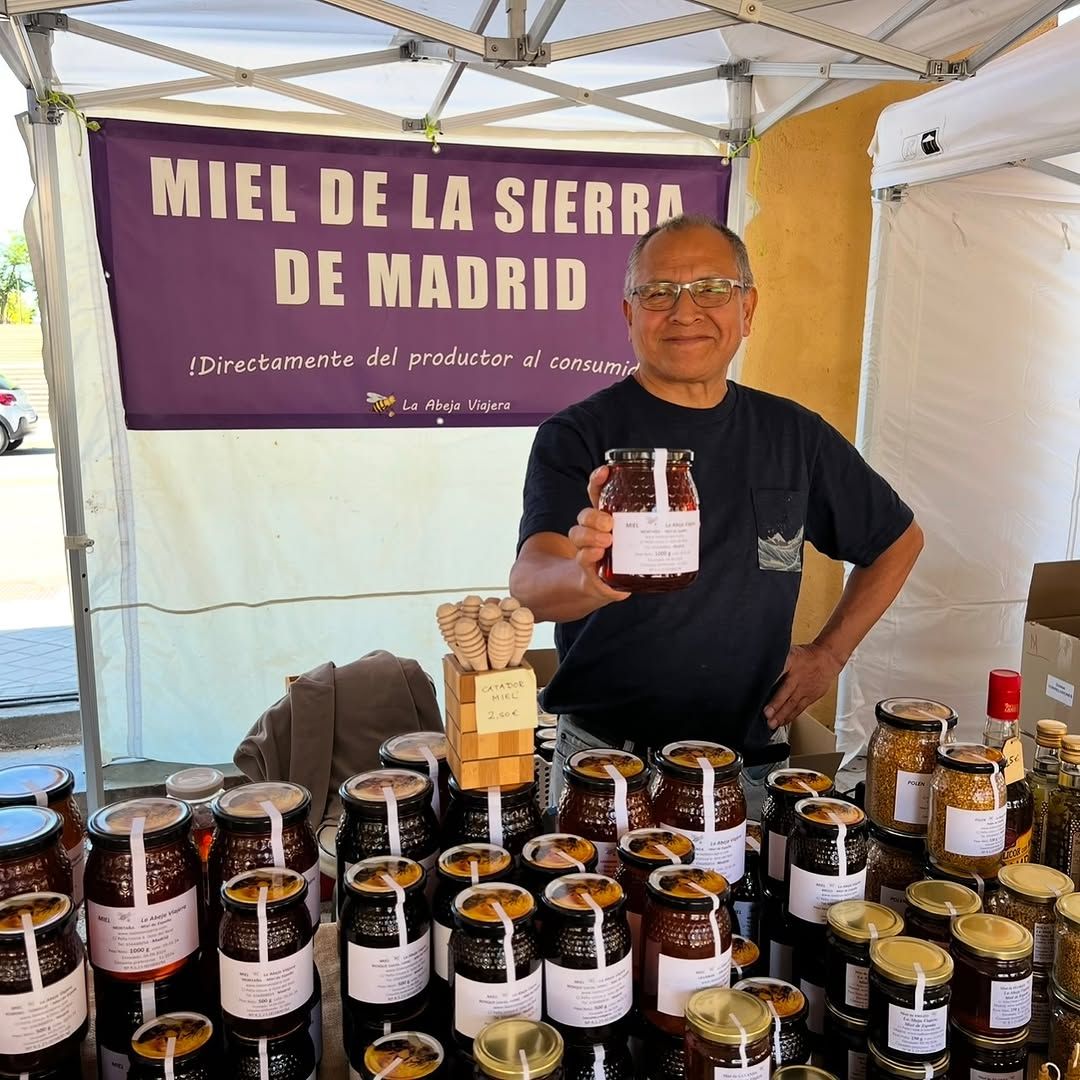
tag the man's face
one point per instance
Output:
(688, 343)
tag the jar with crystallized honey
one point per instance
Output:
(552, 855)
(790, 1011)
(32, 856)
(142, 883)
(656, 520)
(54, 787)
(728, 1036)
(175, 1046)
(424, 752)
(507, 816)
(993, 976)
(783, 789)
(853, 926)
(696, 790)
(1027, 893)
(932, 906)
(287, 1054)
(909, 999)
(604, 796)
(518, 1050)
(410, 1055)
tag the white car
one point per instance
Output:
(17, 416)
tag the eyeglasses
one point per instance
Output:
(706, 292)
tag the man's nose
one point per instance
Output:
(685, 309)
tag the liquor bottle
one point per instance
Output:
(1043, 779)
(1002, 731)
(1063, 821)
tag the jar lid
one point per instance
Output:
(902, 959)
(860, 1023)
(558, 853)
(417, 1055)
(984, 1042)
(502, 1047)
(27, 828)
(914, 845)
(368, 790)
(862, 920)
(789, 1001)
(744, 952)
(367, 878)
(44, 908)
(970, 758)
(649, 847)
(943, 898)
(929, 1070)
(915, 714)
(21, 784)
(567, 894)
(1034, 882)
(1050, 732)
(165, 820)
(689, 887)
(589, 769)
(192, 1031)
(1068, 907)
(625, 456)
(827, 815)
(199, 783)
(727, 1016)
(283, 889)
(683, 760)
(410, 746)
(799, 783)
(241, 808)
(479, 904)
(488, 860)
(801, 1072)
(993, 936)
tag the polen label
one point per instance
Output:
(975, 832)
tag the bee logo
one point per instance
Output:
(382, 403)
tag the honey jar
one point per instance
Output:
(518, 1050)
(506, 816)
(604, 796)
(687, 935)
(882, 1065)
(286, 1054)
(696, 790)
(728, 1036)
(425, 752)
(664, 1055)
(844, 1046)
(265, 952)
(264, 824)
(176, 1046)
(418, 1056)
(932, 906)
(746, 959)
(551, 855)
(656, 522)
(142, 889)
(609, 1061)
(984, 888)
(784, 788)
(54, 787)
(790, 1011)
(43, 1004)
(32, 856)
(993, 978)
(909, 999)
(994, 1059)
(748, 897)
(853, 926)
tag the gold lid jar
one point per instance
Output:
(518, 1050)
(883, 1065)
(728, 1030)
(909, 998)
(852, 926)
(1067, 947)
(1027, 894)
(993, 979)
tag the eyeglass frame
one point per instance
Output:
(687, 285)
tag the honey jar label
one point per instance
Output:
(126, 940)
(748, 916)
(1010, 1003)
(38, 1019)
(761, 1071)
(914, 1031)
(441, 945)
(607, 861)
(112, 1065)
(677, 979)
(912, 802)
(811, 895)
(722, 850)
(646, 544)
(1043, 934)
(978, 1074)
(777, 855)
(975, 832)
(386, 976)
(1039, 1026)
(477, 1004)
(856, 1065)
(893, 899)
(857, 986)
(590, 997)
(262, 991)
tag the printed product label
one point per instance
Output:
(1017, 848)
(77, 857)
(385, 976)
(1043, 955)
(746, 915)
(127, 939)
(34, 1021)
(856, 1065)
(1039, 1027)
(815, 998)
(255, 991)
(912, 802)
(895, 899)
(314, 895)
(1060, 690)
(1013, 752)
(811, 895)
(477, 1004)
(1010, 1003)
(777, 855)
(723, 850)
(780, 961)
(760, 1071)
(913, 1032)
(857, 986)
(677, 979)
(607, 857)
(974, 832)
(978, 1074)
(111, 1065)
(588, 998)
(441, 945)
(655, 543)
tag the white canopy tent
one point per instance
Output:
(971, 384)
(217, 565)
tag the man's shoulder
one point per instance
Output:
(773, 407)
(593, 411)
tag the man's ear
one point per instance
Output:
(628, 314)
(749, 303)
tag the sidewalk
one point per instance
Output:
(37, 665)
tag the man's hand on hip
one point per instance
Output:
(809, 672)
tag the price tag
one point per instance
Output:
(1013, 752)
(505, 700)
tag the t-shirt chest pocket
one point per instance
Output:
(780, 518)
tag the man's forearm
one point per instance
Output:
(550, 586)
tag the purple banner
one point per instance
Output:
(271, 280)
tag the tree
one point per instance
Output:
(17, 297)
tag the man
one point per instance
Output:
(715, 660)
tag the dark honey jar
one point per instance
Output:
(783, 789)
(844, 1047)
(265, 952)
(588, 982)
(695, 789)
(43, 1004)
(663, 1055)
(881, 1064)
(385, 940)
(909, 999)
(387, 812)
(286, 1055)
(264, 824)
(518, 1050)
(423, 752)
(746, 959)
(54, 787)
(993, 976)
(600, 1061)
(32, 856)
(418, 1056)
(790, 1011)
(176, 1046)
(932, 906)
(687, 941)
(747, 896)
(987, 1059)
(506, 816)
(552, 855)
(728, 1035)
(853, 926)
(604, 796)
(142, 889)
(652, 499)
(495, 966)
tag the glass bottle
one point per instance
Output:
(199, 787)
(1043, 779)
(1002, 731)
(1063, 819)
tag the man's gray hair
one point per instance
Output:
(690, 221)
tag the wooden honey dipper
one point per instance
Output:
(509, 606)
(521, 622)
(489, 615)
(447, 615)
(470, 606)
(500, 644)
(471, 643)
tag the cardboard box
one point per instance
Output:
(1051, 662)
(490, 772)
(472, 746)
(490, 701)
(813, 745)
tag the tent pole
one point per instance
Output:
(457, 68)
(740, 108)
(1014, 31)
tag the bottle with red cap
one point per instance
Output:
(1002, 731)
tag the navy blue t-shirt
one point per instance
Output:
(702, 662)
